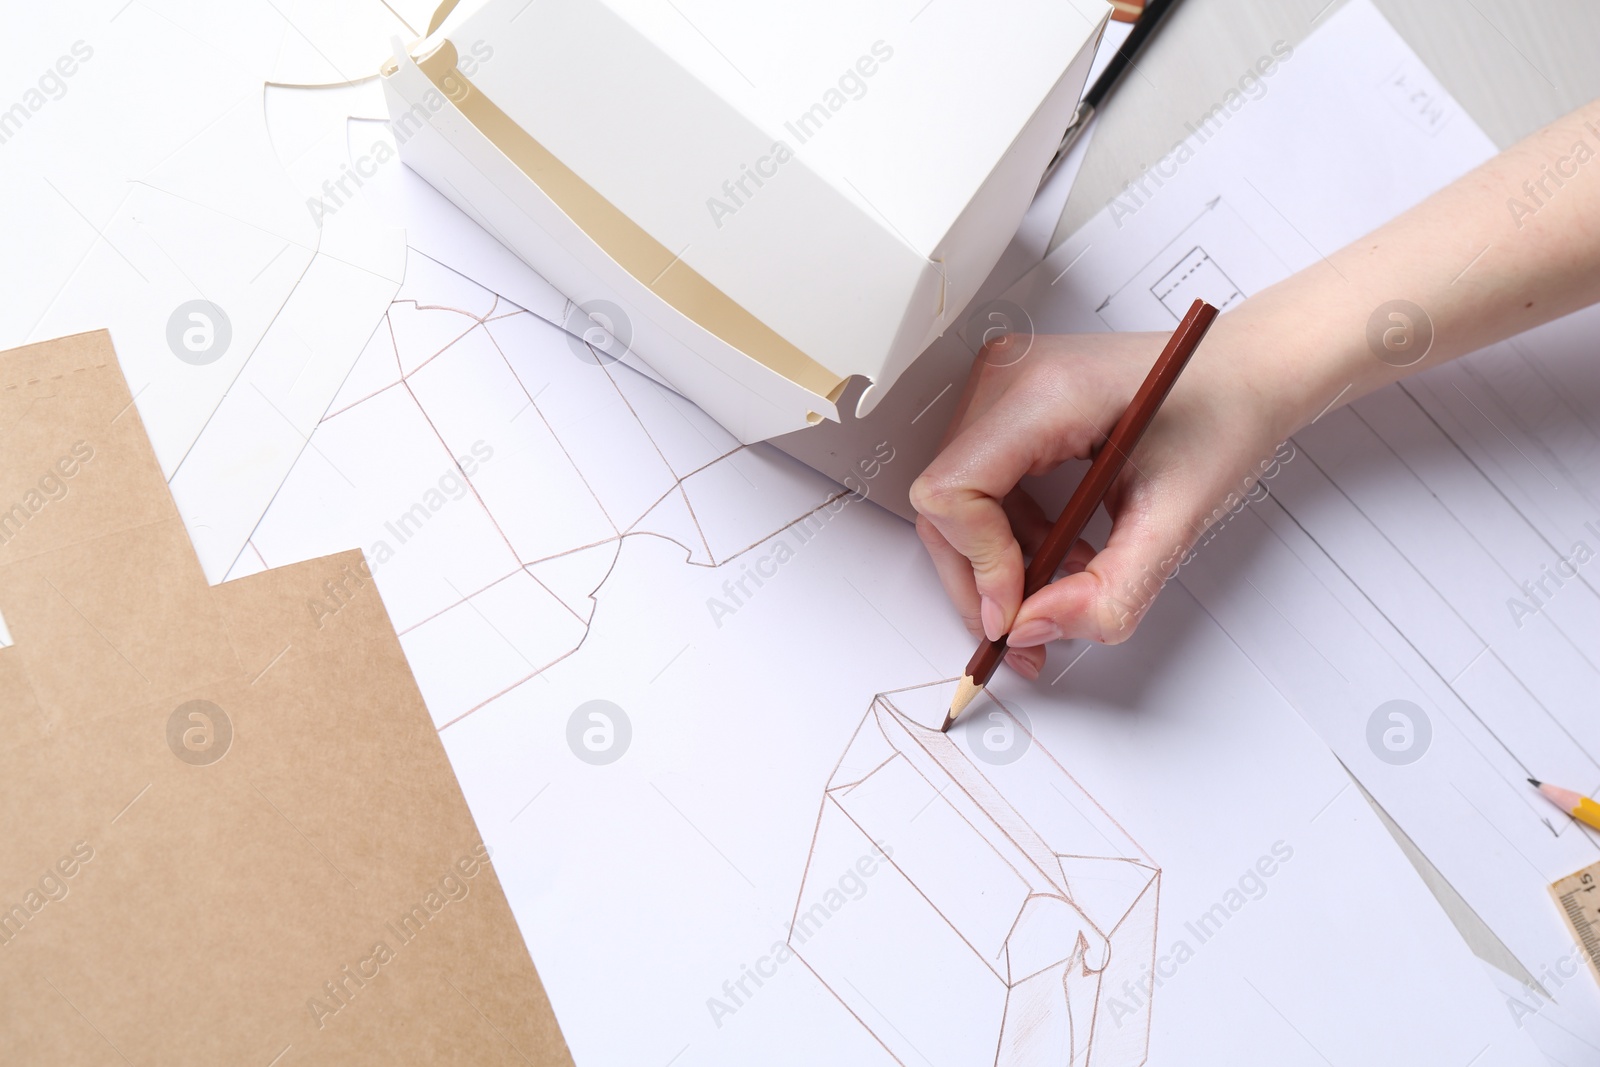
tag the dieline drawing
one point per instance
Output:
(1007, 908)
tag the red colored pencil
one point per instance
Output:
(1091, 492)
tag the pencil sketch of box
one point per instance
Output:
(976, 910)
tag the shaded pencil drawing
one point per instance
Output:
(1009, 905)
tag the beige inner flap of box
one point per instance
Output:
(647, 260)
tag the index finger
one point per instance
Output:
(961, 492)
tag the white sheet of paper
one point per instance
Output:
(174, 164)
(548, 531)
(1391, 559)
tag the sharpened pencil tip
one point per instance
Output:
(1535, 782)
(966, 690)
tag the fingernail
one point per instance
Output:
(1034, 632)
(994, 620)
(1023, 665)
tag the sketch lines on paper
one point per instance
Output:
(1189, 266)
(1195, 276)
(1007, 913)
(1457, 553)
(551, 457)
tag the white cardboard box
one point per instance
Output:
(759, 200)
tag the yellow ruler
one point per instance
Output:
(1578, 897)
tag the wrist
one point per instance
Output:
(1301, 358)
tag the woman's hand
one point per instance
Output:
(1207, 447)
(1473, 266)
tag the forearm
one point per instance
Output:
(1512, 244)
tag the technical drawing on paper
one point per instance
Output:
(1190, 265)
(491, 466)
(1195, 276)
(1009, 916)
